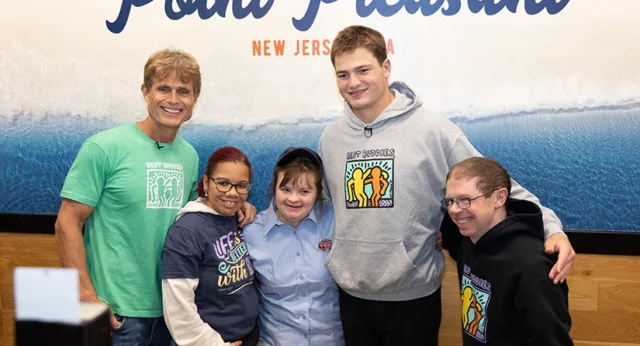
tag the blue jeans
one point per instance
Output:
(139, 331)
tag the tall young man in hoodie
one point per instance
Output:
(386, 161)
(506, 296)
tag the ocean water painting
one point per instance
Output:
(546, 92)
(581, 163)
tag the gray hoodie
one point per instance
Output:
(386, 180)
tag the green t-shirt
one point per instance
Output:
(136, 189)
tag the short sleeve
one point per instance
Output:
(87, 176)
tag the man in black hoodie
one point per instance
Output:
(506, 295)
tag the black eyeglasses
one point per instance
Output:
(222, 185)
(463, 203)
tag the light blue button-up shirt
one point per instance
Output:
(298, 297)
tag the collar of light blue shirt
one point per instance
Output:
(272, 218)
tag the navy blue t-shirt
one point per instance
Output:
(211, 248)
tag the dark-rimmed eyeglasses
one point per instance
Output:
(225, 186)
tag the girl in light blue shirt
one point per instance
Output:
(288, 244)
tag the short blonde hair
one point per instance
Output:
(170, 62)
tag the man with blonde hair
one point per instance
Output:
(125, 188)
(384, 256)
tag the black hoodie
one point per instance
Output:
(506, 295)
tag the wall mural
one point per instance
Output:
(549, 88)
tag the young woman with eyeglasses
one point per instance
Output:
(207, 278)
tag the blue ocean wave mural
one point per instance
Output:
(581, 163)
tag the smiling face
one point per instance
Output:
(295, 199)
(226, 203)
(484, 212)
(170, 103)
(363, 83)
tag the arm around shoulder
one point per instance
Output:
(556, 240)
(552, 224)
(462, 149)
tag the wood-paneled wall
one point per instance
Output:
(604, 293)
(20, 250)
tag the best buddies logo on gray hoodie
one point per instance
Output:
(386, 180)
